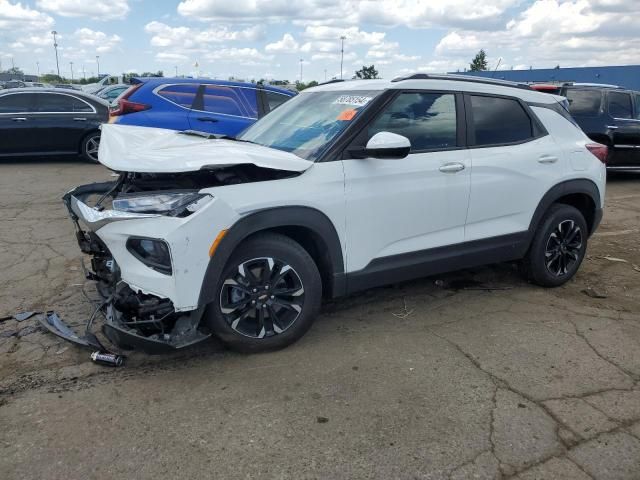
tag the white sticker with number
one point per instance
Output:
(355, 100)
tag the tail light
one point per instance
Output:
(124, 105)
(599, 150)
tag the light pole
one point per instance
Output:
(71, 64)
(98, 62)
(55, 46)
(301, 60)
(342, 39)
(38, 68)
(176, 70)
(84, 75)
(325, 74)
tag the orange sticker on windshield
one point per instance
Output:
(347, 114)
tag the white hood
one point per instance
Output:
(127, 148)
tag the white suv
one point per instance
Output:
(348, 186)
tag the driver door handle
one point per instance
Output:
(208, 119)
(452, 167)
(19, 119)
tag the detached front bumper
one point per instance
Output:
(143, 308)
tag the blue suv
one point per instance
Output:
(214, 106)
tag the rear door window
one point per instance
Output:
(584, 102)
(182, 95)
(620, 105)
(275, 99)
(498, 121)
(16, 103)
(230, 100)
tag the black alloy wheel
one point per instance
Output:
(268, 295)
(262, 298)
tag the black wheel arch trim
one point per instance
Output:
(568, 187)
(268, 220)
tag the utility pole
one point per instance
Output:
(176, 70)
(301, 61)
(84, 75)
(342, 39)
(71, 63)
(55, 46)
(38, 68)
(98, 62)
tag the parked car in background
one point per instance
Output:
(14, 84)
(348, 186)
(34, 84)
(608, 114)
(112, 92)
(213, 106)
(104, 82)
(50, 121)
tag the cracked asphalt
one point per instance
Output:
(473, 375)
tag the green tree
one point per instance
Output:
(301, 85)
(15, 71)
(479, 62)
(51, 78)
(367, 73)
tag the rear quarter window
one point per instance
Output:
(275, 99)
(182, 95)
(584, 102)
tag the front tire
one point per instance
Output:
(268, 295)
(89, 147)
(558, 247)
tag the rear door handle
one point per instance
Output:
(452, 167)
(19, 119)
(547, 159)
(208, 119)
(79, 119)
(612, 127)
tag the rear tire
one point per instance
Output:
(268, 295)
(89, 147)
(558, 247)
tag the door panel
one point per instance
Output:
(16, 122)
(624, 131)
(507, 183)
(511, 168)
(415, 203)
(60, 122)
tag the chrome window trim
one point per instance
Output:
(93, 109)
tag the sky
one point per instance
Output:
(273, 39)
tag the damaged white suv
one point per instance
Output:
(347, 186)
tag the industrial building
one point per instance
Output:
(627, 76)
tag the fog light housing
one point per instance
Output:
(152, 252)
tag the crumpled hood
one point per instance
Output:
(127, 148)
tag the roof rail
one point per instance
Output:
(462, 78)
(333, 80)
(595, 85)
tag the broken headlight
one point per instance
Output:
(172, 204)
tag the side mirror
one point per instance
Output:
(387, 145)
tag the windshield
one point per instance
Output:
(308, 123)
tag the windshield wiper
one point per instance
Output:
(212, 136)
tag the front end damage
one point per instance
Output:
(149, 232)
(151, 303)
